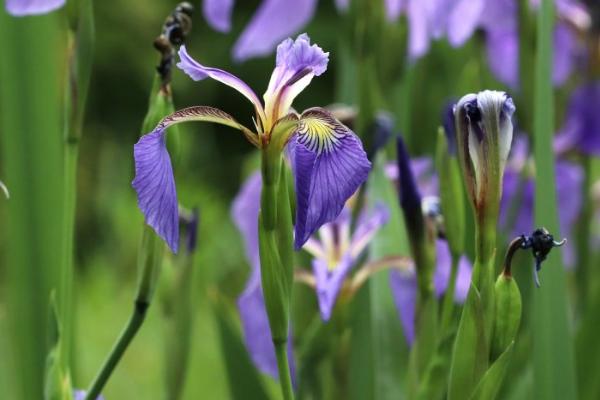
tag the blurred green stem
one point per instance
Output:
(285, 378)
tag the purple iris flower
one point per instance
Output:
(404, 282)
(581, 129)
(500, 22)
(80, 395)
(337, 251)
(20, 8)
(328, 160)
(516, 206)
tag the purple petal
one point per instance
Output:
(443, 267)
(342, 5)
(419, 32)
(255, 324)
(218, 14)
(154, 181)
(329, 165)
(198, 72)
(464, 17)
(155, 186)
(564, 53)
(274, 21)
(244, 213)
(329, 282)
(367, 227)
(581, 130)
(20, 8)
(393, 9)
(297, 63)
(503, 55)
(404, 291)
(569, 184)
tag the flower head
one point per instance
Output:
(337, 252)
(327, 158)
(20, 8)
(484, 134)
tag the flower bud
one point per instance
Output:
(508, 314)
(484, 133)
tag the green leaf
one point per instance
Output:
(488, 387)
(378, 350)
(425, 343)
(434, 382)
(470, 355)
(244, 380)
(553, 360)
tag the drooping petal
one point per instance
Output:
(198, 72)
(218, 14)
(329, 281)
(329, 165)
(367, 227)
(404, 291)
(154, 182)
(419, 32)
(244, 213)
(297, 63)
(274, 21)
(20, 8)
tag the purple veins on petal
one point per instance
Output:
(19, 8)
(329, 165)
(155, 186)
(273, 21)
(218, 14)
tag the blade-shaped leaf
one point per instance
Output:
(489, 385)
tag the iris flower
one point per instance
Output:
(276, 19)
(20, 8)
(327, 158)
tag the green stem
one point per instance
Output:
(448, 302)
(132, 327)
(285, 379)
(66, 279)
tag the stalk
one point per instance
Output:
(285, 378)
(448, 302)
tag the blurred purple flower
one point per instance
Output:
(80, 395)
(19, 8)
(404, 286)
(251, 303)
(581, 129)
(516, 206)
(327, 158)
(337, 252)
(500, 23)
(273, 21)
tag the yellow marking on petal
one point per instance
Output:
(320, 132)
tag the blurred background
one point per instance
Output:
(212, 162)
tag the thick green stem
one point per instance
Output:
(448, 302)
(285, 378)
(132, 327)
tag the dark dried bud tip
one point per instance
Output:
(540, 242)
